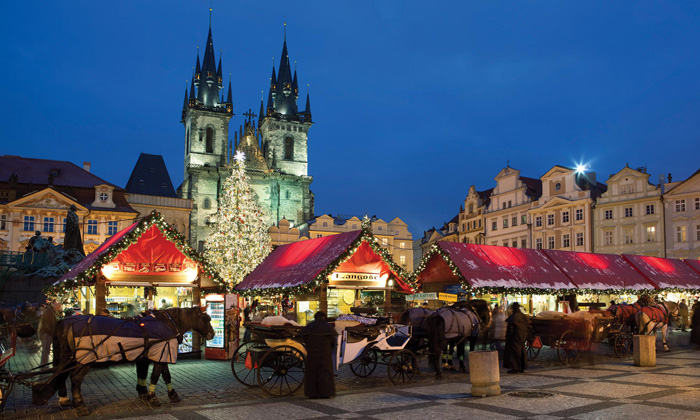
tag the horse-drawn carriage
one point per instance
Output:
(275, 358)
(570, 336)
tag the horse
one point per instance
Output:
(80, 341)
(20, 313)
(649, 318)
(482, 310)
(625, 314)
(450, 326)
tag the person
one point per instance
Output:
(47, 325)
(104, 312)
(683, 314)
(497, 331)
(695, 327)
(320, 339)
(514, 357)
(247, 335)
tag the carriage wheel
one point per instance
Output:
(365, 365)
(281, 371)
(244, 375)
(402, 366)
(622, 344)
(532, 352)
(568, 349)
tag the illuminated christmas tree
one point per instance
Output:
(239, 240)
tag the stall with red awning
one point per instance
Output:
(694, 264)
(602, 273)
(666, 273)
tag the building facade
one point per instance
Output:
(629, 217)
(277, 145)
(471, 217)
(35, 195)
(506, 216)
(682, 217)
(562, 216)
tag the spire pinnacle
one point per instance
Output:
(210, 14)
(285, 31)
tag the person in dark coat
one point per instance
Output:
(683, 314)
(320, 340)
(695, 325)
(516, 333)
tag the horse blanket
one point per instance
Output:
(417, 318)
(625, 313)
(656, 313)
(102, 339)
(458, 323)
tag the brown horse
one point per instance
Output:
(649, 318)
(110, 339)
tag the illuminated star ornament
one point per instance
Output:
(239, 156)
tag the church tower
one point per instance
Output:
(205, 114)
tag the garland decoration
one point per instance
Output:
(322, 277)
(90, 274)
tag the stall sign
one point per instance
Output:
(144, 267)
(159, 268)
(129, 267)
(356, 279)
(423, 296)
(454, 289)
(447, 297)
(175, 267)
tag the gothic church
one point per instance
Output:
(275, 146)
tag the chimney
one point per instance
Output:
(669, 177)
(86, 166)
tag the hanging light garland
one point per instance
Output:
(89, 275)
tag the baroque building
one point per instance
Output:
(276, 147)
(628, 217)
(682, 216)
(471, 217)
(562, 215)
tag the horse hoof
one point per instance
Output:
(463, 369)
(173, 396)
(438, 376)
(153, 400)
(82, 410)
(64, 402)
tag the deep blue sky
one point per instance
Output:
(413, 101)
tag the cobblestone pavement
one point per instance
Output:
(598, 386)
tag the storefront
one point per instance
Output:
(334, 274)
(148, 265)
(496, 274)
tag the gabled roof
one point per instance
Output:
(301, 267)
(534, 187)
(678, 186)
(150, 177)
(38, 171)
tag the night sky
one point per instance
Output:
(413, 101)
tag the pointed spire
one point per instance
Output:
(229, 100)
(262, 112)
(219, 76)
(192, 95)
(235, 139)
(198, 69)
(185, 105)
(295, 86)
(308, 105)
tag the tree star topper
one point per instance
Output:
(239, 156)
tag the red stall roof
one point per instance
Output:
(599, 271)
(487, 266)
(695, 264)
(665, 272)
(300, 263)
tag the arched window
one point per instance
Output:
(187, 141)
(210, 140)
(286, 194)
(207, 203)
(289, 148)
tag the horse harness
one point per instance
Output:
(658, 314)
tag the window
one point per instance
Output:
(509, 204)
(523, 243)
(325, 224)
(628, 211)
(187, 140)
(207, 203)
(402, 245)
(28, 223)
(286, 194)
(111, 228)
(503, 204)
(608, 214)
(566, 240)
(200, 246)
(471, 208)
(494, 225)
(48, 224)
(629, 236)
(210, 140)
(697, 232)
(402, 260)
(385, 242)
(608, 238)
(505, 223)
(3, 222)
(538, 221)
(565, 217)
(579, 214)
(464, 227)
(557, 186)
(479, 223)
(63, 226)
(538, 243)
(550, 219)
(288, 148)
(92, 227)
(651, 233)
(550, 242)
(627, 189)
(523, 219)
(514, 222)
(680, 233)
(505, 243)
(319, 235)
(515, 244)
(680, 205)
(650, 209)
(697, 204)
(379, 228)
(579, 239)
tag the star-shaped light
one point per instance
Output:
(239, 156)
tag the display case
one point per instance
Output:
(223, 310)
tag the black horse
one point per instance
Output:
(110, 339)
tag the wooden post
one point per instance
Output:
(196, 296)
(387, 302)
(323, 298)
(100, 294)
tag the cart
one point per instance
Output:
(571, 336)
(274, 359)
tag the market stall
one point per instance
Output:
(332, 273)
(148, 265)
(675, 278)
(498, 274)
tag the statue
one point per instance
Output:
(72, 240)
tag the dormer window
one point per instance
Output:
(557, 186)
(103, 197)
(54, 173)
